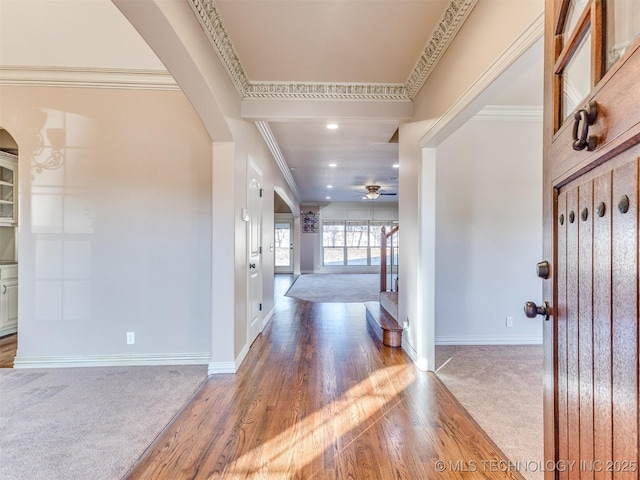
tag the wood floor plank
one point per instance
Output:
(318, 397)
(8, 347)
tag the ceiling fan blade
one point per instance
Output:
(388, 193)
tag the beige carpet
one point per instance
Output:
(86, 423)
(501, 387)
(335, 287)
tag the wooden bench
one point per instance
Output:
(385, 326)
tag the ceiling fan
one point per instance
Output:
(373, 192)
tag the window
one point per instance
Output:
(333, 243)
(357, 243)
(347, 242)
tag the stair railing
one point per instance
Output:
(387, 239)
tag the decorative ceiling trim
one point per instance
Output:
(87, 77)
(211, 22)
(272, 143)
(450, 22)
(341, 91)
(510, 112)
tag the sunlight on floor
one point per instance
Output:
(356, 411)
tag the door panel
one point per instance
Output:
(561, 319)
(597, 326)
(571, 308)
(625, 310)
(584, 221)
(602, 353)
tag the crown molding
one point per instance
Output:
(211, 22)
(324, 91)
(87, 77)
(510, 112)
(273, 146)
(450, 22)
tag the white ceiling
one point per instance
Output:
(371, 41)
(338, 42)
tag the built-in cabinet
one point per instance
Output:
(8, 223)
(8, 299)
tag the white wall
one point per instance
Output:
(118, 237)
(488, 232)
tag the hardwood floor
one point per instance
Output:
(319, 397)
(8, 347)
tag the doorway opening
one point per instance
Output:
(8, 249)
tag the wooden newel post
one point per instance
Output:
(383, 259)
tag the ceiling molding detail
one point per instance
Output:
(211, 22)
(87, 77)
(452, 19)
(334, 91)
(272, 143)
(510, 112)
(448, 25)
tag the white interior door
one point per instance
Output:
(255, 252)
(283, 238)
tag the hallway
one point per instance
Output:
(319, 397)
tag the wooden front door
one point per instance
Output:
(592, 147)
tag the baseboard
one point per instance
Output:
(8, 331)
(408, 349)
(216, 368)
(492, 340)
(111, 360)
(267, 318)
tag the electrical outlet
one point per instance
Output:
(131, 338)
(509, 321)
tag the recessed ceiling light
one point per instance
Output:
(329, 186)
(328, 198)
(332, 126)
(333, 165)
(396, 165)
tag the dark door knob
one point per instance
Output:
(252, 265)
(531, 310)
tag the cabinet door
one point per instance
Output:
(8, 181)
(10, 301)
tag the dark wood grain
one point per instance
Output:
(573, 386)
(8, 347)
(625, 318)
(602, 418)
(561, 322)
(319, 397)
(585, 325)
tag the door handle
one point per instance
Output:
(586, 118)
(531, 310)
